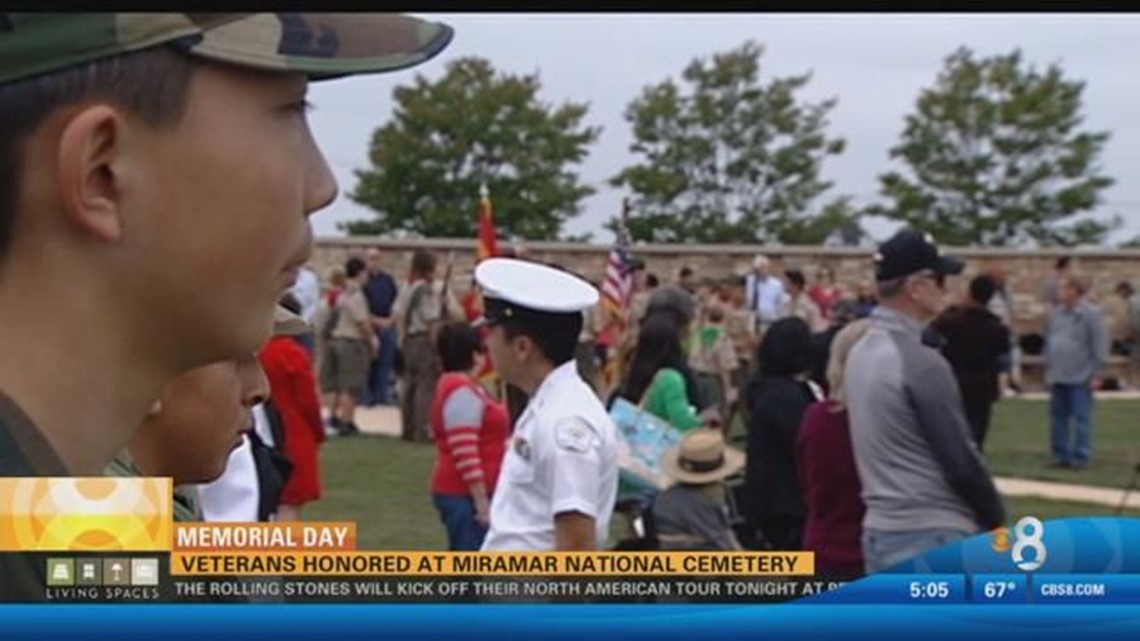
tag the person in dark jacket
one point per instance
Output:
(777, 395)
(842, 312)
(977, 345)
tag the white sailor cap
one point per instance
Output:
(520, 288)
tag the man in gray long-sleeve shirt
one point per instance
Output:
(1076, 348)
(924, 482)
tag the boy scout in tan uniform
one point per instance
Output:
(420, 309)
(188, 130)
(352, 347)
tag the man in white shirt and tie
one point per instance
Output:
(764, 295)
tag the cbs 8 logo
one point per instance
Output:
(1027, 535)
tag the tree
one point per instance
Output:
(995, 156)
(474, 125)
(726, 158)
(837, 223)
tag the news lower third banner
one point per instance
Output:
(114, 540)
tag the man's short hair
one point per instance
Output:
(796, 277)
(891, 288)
(651, 281)
(1063, 263)
(686, 271)
(555, 335)
(982, 289)
(152, 84)
(423, 263)
(354, 266)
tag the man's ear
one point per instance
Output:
(523, 346)
(90, 152)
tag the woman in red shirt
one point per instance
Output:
(825, 291)
(293, 388)
(471, 430)
(828, 478)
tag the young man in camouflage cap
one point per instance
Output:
(145, 158)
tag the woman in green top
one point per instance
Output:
(655, 378)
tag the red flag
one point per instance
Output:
(487, 242)
(486, 246)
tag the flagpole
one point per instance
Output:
(619, 307)
(484, 201)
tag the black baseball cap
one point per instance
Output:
(910, 251)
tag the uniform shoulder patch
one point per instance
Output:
(574, 434)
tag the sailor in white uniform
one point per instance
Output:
(558, 484)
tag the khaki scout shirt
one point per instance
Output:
(712, 351)
(428, 309)
(804, 307)
(742, 330)
(353, 311)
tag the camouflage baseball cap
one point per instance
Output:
(320, 45)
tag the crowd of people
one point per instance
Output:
(850, 423)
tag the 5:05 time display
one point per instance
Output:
(929, 589)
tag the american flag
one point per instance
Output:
(619, 269)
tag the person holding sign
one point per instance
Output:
(559, 478)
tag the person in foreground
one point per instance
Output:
(559, 479)
(198, 422)
(145, 158)
(924, 482)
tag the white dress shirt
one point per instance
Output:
(765, 297)
(307, 289)
(561, 458)
(234, 496)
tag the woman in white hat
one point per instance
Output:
(693, 514)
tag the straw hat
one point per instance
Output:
(702, 457)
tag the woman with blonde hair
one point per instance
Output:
(826, 467)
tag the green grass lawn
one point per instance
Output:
(382, 485)
(1018, 443)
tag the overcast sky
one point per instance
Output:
(875, 64)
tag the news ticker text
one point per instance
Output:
(133, 579)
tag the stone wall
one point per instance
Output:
(1027, 270)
